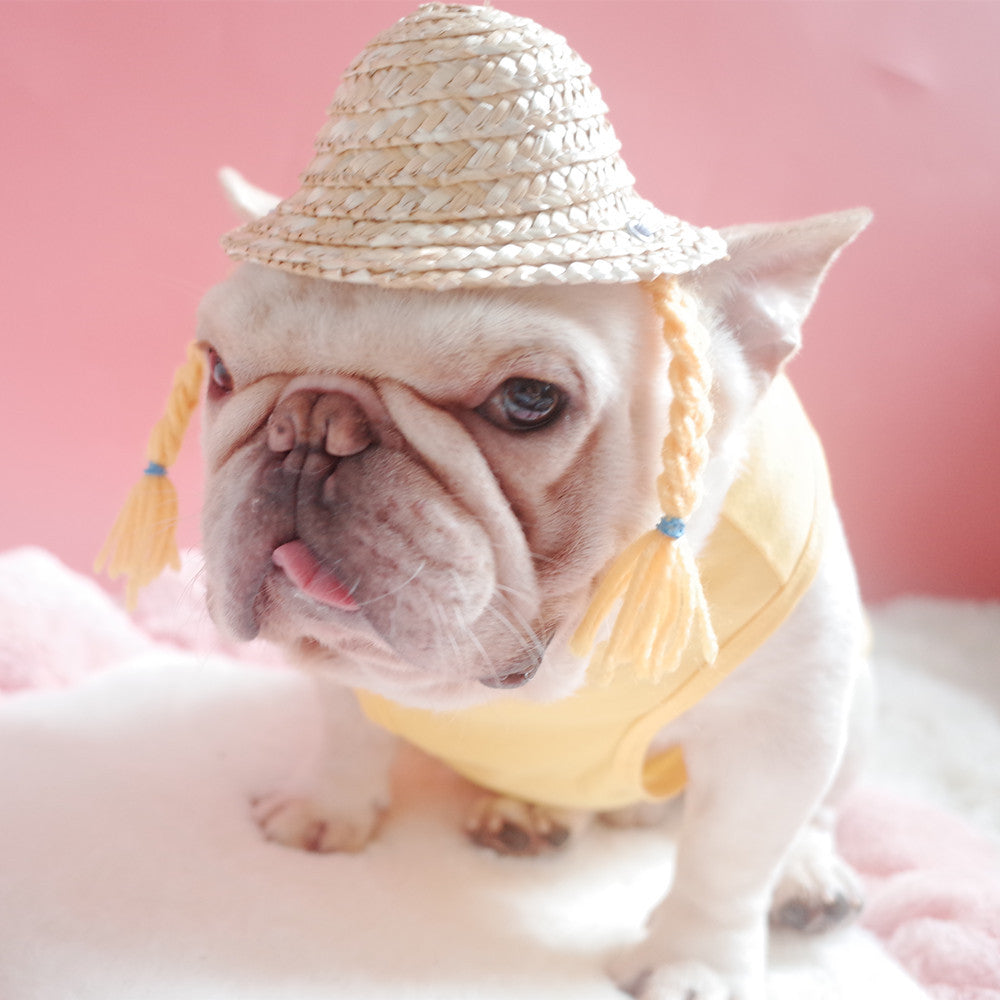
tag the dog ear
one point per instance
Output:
(249, 201)
(764, 289)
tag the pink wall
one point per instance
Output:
(114, 117)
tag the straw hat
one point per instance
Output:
(468, 147)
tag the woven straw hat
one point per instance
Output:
(468, 147)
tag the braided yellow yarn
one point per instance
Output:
(656, 577)
(142, 542)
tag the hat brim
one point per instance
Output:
(538, 249)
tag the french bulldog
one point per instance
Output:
(414, 493)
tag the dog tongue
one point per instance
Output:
(304, 570)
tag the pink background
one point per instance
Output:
(115, 116)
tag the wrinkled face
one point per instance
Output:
(419, 488)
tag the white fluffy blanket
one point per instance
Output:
(130, 867)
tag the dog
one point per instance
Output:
(414, 492)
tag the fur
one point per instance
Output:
(470, 552)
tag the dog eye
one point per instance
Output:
(523, 404)
(218, 373)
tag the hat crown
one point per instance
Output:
(502, 53)
(473, 113)
(467, 146)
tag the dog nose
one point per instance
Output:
(333, 422)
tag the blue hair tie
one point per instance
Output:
(155, 469)
(672, 527)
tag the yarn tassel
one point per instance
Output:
(143, 541)
(656, 579)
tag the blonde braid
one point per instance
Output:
(685, 449)
(167, 436)
(656, 577)
(142, 542)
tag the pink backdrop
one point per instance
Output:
(115, 116)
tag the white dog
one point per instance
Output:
(459, 377)
(415, 491)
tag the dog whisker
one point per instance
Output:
(395, 590)
(526, 633)
(537, 557)
(528, 629)
(451, 634)
(457, 630)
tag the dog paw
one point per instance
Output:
(509, 826)
(818, 890)
(306, 825)
(695, 951)
(681, 981)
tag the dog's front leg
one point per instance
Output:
(762, 751)
(743, 806)
(339, 788)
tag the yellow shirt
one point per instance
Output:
(591, 749)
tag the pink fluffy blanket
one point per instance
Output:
(933, 892)
(923, 831)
